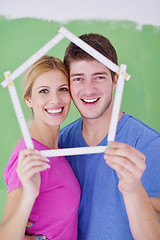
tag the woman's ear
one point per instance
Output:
(28, 102)
(115, 81)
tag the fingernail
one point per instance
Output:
(47, 165)
(47, 160)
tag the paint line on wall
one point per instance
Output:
(143, 12)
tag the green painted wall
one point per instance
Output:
(139, 48)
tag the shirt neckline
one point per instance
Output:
(120, 124)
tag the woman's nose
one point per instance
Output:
(54, 98)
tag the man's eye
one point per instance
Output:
(77, 79)
(43, 91)
(100, 77)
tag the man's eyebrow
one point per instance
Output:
(76, 74)
(82, 74)
(100, 73)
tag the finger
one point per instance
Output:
(29, 152)
(31, 172)
(122, 172)
(30, 159)
(133, 164)
(126, 147)
(123, 166)
(126, 151)
(25, 152)
(32, 164)
(123, 148)
(32, 167)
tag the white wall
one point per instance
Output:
(140, 11)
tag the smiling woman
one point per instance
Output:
(38, 186)
(50, 101)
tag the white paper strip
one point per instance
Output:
(19, 114)
(117, 104)
(33, 59)
(90, 50)
(73, 151)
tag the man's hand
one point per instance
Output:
(128, 162)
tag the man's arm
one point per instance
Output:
(141, 210)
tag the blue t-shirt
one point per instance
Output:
(102, 213)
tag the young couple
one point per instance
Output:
(117, 193)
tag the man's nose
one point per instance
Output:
(89, 86)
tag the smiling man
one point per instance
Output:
(121, 189)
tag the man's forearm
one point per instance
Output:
(142, 217)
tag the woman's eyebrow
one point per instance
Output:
(42, 87)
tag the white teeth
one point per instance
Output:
(90, 100)
(54, 110)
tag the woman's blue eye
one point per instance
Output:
(43, 91)
(63, 89)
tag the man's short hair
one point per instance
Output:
(98, 42)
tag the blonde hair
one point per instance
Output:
(44, 64)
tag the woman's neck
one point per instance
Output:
(47, 135)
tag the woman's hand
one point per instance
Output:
(30, 164)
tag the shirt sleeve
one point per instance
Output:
(10, 174)
(151, 176)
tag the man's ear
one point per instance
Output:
(115, 81)
(28, 102)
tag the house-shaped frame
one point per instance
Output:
(9, 78)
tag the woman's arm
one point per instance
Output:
(16, 215)
(20, 201)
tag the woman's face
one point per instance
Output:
(50, 98)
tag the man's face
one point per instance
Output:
(91, 88)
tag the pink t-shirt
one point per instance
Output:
(55, 211)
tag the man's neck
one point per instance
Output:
(94, 130)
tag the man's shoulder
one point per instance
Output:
(137, 133)
(138, 125)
